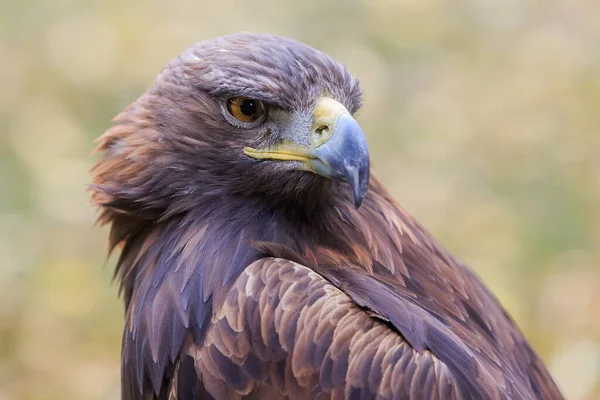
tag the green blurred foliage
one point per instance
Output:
(482, 118)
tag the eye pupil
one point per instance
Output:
(248, 107)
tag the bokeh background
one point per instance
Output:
(483, 118)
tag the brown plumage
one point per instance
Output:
(248, 270)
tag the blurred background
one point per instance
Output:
(483, 119)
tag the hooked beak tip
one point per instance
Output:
(359, 183)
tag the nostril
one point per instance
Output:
(322, 129)
(320, 133)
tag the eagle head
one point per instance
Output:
(253, 117)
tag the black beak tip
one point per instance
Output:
(360, 185)
(358, 201)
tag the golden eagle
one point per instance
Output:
(259, 258)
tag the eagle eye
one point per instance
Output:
(246, 109)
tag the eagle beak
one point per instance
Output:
(338, 148)
(341, 150)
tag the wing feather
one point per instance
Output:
(285, 330)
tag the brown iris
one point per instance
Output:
(245, 109)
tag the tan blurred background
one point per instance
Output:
(483, 119)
